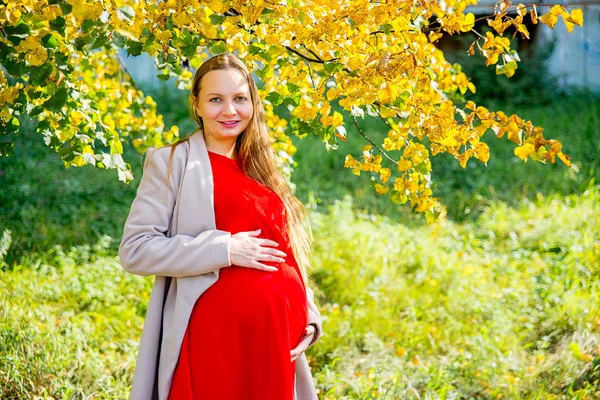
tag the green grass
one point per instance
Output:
(496, 307)
(504, 307)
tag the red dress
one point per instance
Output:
(238, 340)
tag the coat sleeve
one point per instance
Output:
(146, 250)
(314, 317)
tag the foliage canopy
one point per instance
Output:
(328, 62)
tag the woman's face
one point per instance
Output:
(225, 105)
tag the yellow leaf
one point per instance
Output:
(523, 29)
(569, 26)
(381, 189)
(37, 57)
(524, 151)
(64, 135)
(497, 24)
(577, 17)
(75, 118)
(471, 87)
(557, 10)
(404, 165)
(467, 23)
(534, 16)
(338, 119)
(549, 19)
(462, 159)
(351, 162)
(384, 174)
(514, 133)
(564, 158)
(521, 10)
(433, 36)
(482, 152)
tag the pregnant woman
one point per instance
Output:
(230, 314)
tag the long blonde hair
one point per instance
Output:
(253, 149)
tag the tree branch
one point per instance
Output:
(373, 143)
(315, 60)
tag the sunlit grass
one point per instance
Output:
(504, 307)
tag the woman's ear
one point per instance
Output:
(195, 103)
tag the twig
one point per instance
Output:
(124, 68)
(373, 143)
(315, 60)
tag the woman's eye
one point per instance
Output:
(242, 98)
(215, 99)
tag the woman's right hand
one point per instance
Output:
(246, 249)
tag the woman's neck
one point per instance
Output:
(225, 148)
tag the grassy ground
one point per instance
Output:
(506, 306)
(501, 300)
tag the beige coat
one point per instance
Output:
(173, 234)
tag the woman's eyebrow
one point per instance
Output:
(236, 94)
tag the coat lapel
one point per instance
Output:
(195, 214)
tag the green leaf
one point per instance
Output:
(507, 69)
(56, 102)
(50, 41)
(386, 28)
(275, 98)
(118, 40)
(58, 25)
(13, 125)
(134, 48)
(216, 19)
(126, 13)
(35, 111)
(116, 147)
(21, 30)
(6, 148)
(256, 48)
(98, 42)
(302, 17)
(173, 59)
(62, 62)
(82, 41)
(15, 68)
(218, 48)
(332, 67)
(65, 7)
(88, 24)
(300, 128)
(40, 74)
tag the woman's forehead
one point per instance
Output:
(228, 80)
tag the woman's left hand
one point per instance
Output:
(309, 332)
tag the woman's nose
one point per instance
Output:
(228, 108)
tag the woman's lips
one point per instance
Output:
(229, 124)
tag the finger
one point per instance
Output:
(275, 252)
(267, 242)
(309, 331)
(254, 233)
(301, 348)
(267, 257)
(263, 267)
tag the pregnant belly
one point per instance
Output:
(254, 302)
